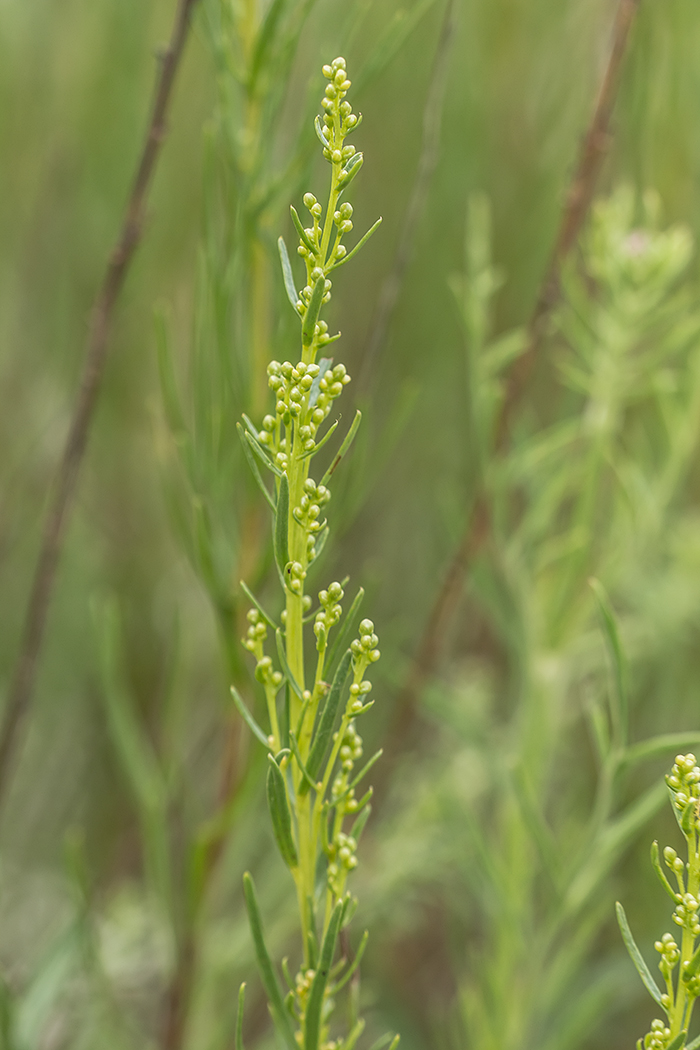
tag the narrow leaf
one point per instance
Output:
(262, 454)
(349, 438)
(300, 762)
(248, 718)
(267, 972)
(360, 244)
(279, 811)
(678, 1042)
(321, 443)
(355, 1033)
(350, 170)
(344, 631)
(312, 312)
(254, 467)
(656, 863)
(251, 597)
(282, 526)
(319, 131)
(354, 964)
(303, 235)
(296, 688)
(318, 986)
(323, 365)
(287, 274)
(636, 956)
(264, 41)
(326, 722)
(239, 1019)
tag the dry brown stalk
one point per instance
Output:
(23, 681)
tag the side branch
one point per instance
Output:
(22, 684)
(594, 149)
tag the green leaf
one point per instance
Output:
(312, 312)
(688, 817)
(267, 972)
(658, 745)
(300, 762)
(354, 964)
(360, 244)
(287, 274)
(323, 365)
(357, 1030)
(636, 956)
(279, 811)
(251, 597)
(345, 629)
(349, 438)
(318, 987)
(350, 170)
(693, 965)
(656, 863)
(296, 688)
(678, 1042)
(321, 443)
(262, 455)
(319, 131)
(254, 467)
(303, 236)
(326, 721)
(363, 773)
(695, 1045)
(248, 718)
(239, 1018)
(282, 526)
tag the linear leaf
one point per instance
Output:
(269, 977)
(282, 526)
(318, 987)
(344, 631)
(239, 1018)
(296, 688)
(354, 964)
(360, 244)
(618, 709)
(287, 274)
(303, 235)
(262, 454)
(249, 594)
(255, 470)
(636, 956)
(300, 762)
(660, 872)
(323, 365)
(279, 812)
(678, 1042)
(248, 718)
(321, 443)
(312, 312)
(327, 720)
(349, 438)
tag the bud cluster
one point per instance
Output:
(659, 1036)
(684, 782)
(329, 613)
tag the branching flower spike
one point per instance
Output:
(679, 964)
(317, 806)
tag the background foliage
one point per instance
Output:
(501, 836)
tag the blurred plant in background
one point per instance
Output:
(538, 745)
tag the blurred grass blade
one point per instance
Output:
(390, 42)
(314, 1006)
(636, 955)
(618, 709)
(659, 745)
(267, 972)
(327, 720)
(265, 39)
(248, 718)
(279, 812)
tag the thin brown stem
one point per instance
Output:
(22, 685)
(594, 149)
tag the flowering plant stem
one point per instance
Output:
(313, 740)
